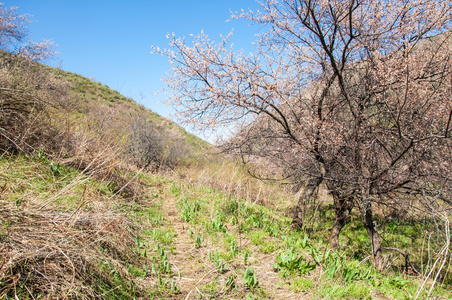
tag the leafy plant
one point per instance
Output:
(219, 263)
(189, 211)
(55, 168)
(161, 264)
(217, 226)
(249, 278)
(174, 287)
(198, 241)
(288, 261)
(233, 248)
(246, 255)
(230, 283)
(156, 220)
(334, 264)
(163, 235)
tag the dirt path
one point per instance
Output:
(199, 278)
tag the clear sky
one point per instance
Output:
(111, 41)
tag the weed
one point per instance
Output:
(301, 284)
(157, 220)
(256, 237)
(189, 210)
(198, 241)
(335, 290)
(350, 271)
(217, 226)
(267, 246)
(55, 168)
(230, 283)
(211, 288)
(163, 235)
(246, 255)
(217, 260)
(233, 248)
(250, 279)
(290, 262)
(161, 264)
(175, 190)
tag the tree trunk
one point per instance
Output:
(305, 196)
(366, 212)
(342, 207)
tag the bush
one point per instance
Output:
(27, 95)
(145, 145)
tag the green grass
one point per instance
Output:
(333, 289)
(26, 178)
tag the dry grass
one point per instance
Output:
(61, 254)
(231, 178)
(60, 236)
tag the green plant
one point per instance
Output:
(256, 237)
(334, 264)
(301, 284)
(230, 283)
(249, 278)
(141, 246)
(198, 241)
(217, 260)
(164, 235)
(189, 211)
(156, 220)
(55, 168)
(246, 255)
(335, 289)
(217, 226)
(350, 272)
(268, 246)
(174, 287)
(41, 155)
(161, 264)
(289, 261)
(231, 206)
(233, 248)
(219, 263)
(175, 189)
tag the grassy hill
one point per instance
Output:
(100, 198)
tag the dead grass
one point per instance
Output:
(61, 254)
(230, 178)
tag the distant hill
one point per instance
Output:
(70, 103)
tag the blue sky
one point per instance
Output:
(111, 41)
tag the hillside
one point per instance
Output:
(100, 198)
(87, 101)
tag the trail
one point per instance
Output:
(199, 277)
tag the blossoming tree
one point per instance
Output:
(13, 36)
(355, 94)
